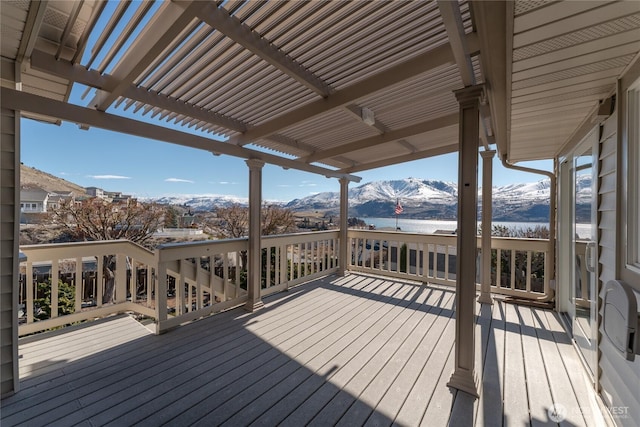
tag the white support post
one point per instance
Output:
(161, 285)
(487, 213)
(464, 377)
(344, 213)
(254, 302)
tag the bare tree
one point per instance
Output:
(97, 219)
(233, 221)
(277, 220)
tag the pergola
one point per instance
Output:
(333, 88)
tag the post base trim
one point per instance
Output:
(464, 380)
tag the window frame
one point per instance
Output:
(632, 125)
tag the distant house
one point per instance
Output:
(95, 192)
(33, 200)
(57, 197)
(112, 196)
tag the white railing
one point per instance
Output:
(197, 279)
(70, 282)
(290, 259)
(518, 265)
(185, 281)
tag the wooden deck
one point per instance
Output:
(355, 350)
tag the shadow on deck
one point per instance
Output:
(349, 350)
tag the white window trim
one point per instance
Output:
(633, 178)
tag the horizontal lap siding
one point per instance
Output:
(619, 378)
(9, 180)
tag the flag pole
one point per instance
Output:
(396, 210)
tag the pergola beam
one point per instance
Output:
(23, 101)
(493, 32)
(166, 25)
(35, 17)
(220, 19)
(380, 127)
(390, 136)
(284, 140)
(437, 57)
(452, 19)
(445, 149)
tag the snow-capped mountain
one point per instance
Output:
(420, 198)
(409, 191)
(200, 202)
(438, 199)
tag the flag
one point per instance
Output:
(398, 207)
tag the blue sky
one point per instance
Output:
(147, 168)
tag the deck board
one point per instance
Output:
(354, 350)
(538, 392)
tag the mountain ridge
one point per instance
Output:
(31, 177)
(420, 198)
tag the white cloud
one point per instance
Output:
(179, 180)
(285, 185)
(307, 184)
(109, 177)
(223, 182)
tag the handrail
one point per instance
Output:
(180, 282)
(198, 278)
(432, 258)
(290, 259)
(126, 284)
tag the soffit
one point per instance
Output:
(566, 58)
(291, 78)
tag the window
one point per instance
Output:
(633, 215)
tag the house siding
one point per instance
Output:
(9, 216)
(619, 379)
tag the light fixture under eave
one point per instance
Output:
(368, 117)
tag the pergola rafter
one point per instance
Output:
(167, 25)
(435, 58)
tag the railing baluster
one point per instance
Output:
(267, 270)
(100, 281)
(299, 260)
(54, 287)
(199, 289)
(225, 276)
(546, 276)
(499, 268)
(29, 307)
(121, 278)
(78, 286)
(446, 261)
(133, 281)
(513, 269)
(180, 289)
(162, 280)
(528, 278)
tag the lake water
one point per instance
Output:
(428, 226)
